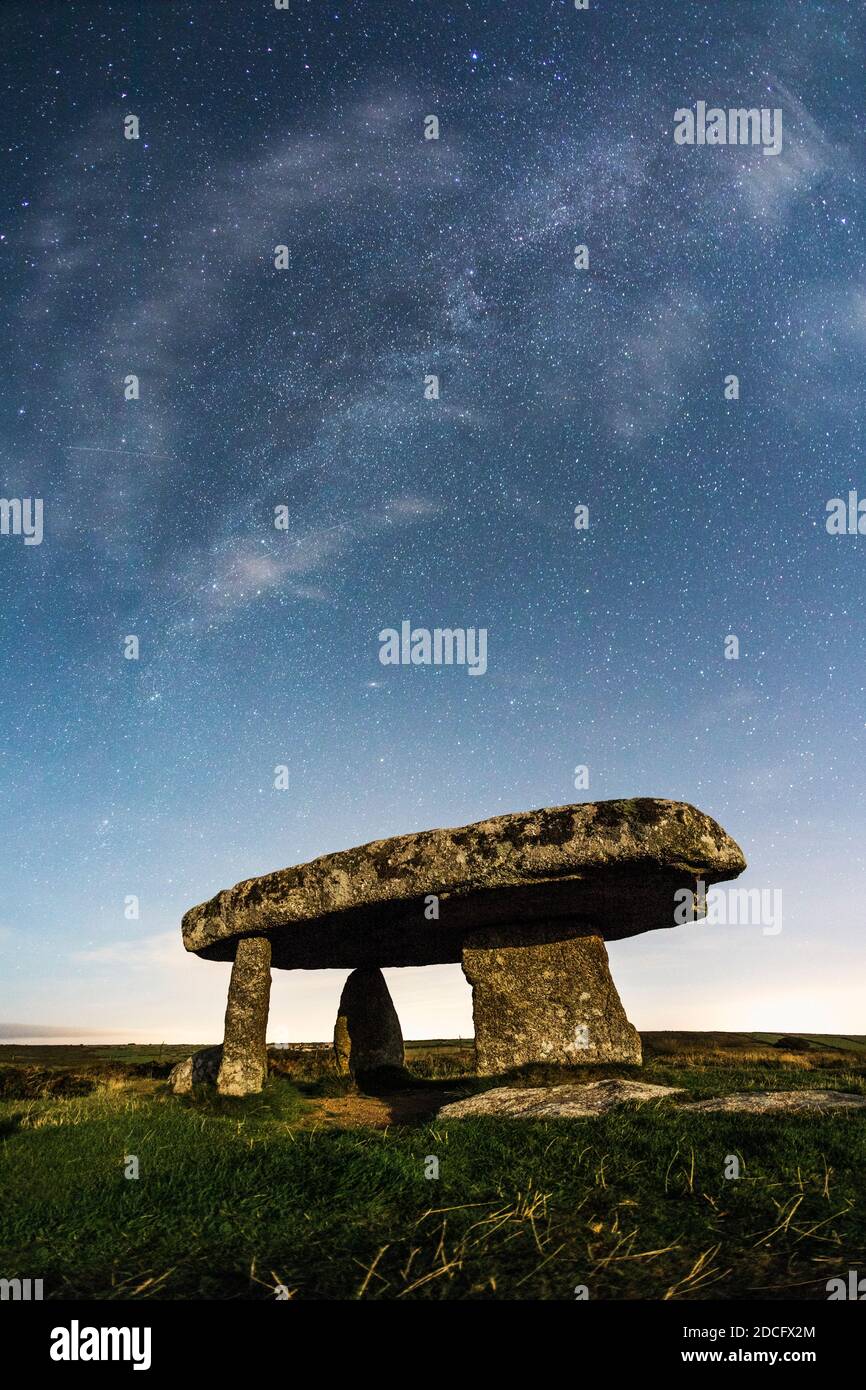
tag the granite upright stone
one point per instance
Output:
(244, 1063)
(367, 1034)
(538, 998)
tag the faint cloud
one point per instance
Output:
(648, 384)
(163, 951)
(238, 570)
(772, 186)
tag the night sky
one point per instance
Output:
(304, 388)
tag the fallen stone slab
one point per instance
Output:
(555, 1102)
(778, 1102)
(597, 1097)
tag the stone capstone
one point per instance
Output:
(607, 868)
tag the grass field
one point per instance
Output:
(321, 1190)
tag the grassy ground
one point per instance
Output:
(323, 1191)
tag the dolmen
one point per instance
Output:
(524, 902)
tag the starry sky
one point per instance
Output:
(304, 388)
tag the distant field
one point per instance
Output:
(322, 1189)
(85, 1054)
(847, 1042)
(81, 1054)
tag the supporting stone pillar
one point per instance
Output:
(244, 1063)
(367, 1034)
(537, 998)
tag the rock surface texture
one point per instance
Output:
(537, 1000)
(555, 1102)
(201, 1069)
(245, 1054)
(780, 1102)
(608, 868)
(367, 1035)
(597, 1097)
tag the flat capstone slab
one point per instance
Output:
(607, 868)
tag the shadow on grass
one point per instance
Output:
(278, 1100)
(410, 1099)
(38, 1083)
